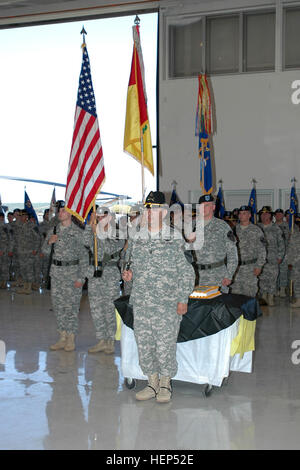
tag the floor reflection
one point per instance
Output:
(58, 400)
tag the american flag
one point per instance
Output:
(86, 165)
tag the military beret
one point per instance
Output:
(155, 198)
(245, 208)
(206, 198)
(60, 204)
(278, 211)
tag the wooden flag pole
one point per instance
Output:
(95, 241)
(143, 169)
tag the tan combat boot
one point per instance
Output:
(296, 304)
(270, 300)
(26, 289)
(61, 342)
(100, 346)
(165, 390)
(282, 292)
(110, 346)
(70, 342)
(150, 391)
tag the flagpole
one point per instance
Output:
(142, 169)
(137, 23)
(254, 187)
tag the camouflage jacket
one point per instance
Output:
(219, 243)
(161, 272)
(275, 243)
(251, 244)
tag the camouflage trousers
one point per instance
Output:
(156, 328)
(268, 278)
(295, 277)
(245, 282)
(102, 292)
(44, 267)
(26, 263)
(15, 267)
(283, 278)
(37, 269)
(4, 267)
(65, 302)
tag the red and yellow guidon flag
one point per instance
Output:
(137, 135)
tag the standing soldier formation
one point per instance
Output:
(6, 249)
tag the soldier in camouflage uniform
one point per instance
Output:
(104, 283)
(293, 260)
(14, 225)
(215, 247)
(37, 241)
(69, 263)
(283, 278)
(134, 217)
(162, 281)
(275, 252)
(44, 259)
(252, 254)
(5, 251)
(26, 245)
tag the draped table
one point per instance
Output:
(216, 336)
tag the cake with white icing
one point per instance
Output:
(205, 292)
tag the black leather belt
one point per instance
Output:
(57, 262)
(212, 265)
(102, 265)
(248, 261)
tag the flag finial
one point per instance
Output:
(293, 180)
(83, 32)
(137, 20)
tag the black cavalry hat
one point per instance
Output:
(155, 199)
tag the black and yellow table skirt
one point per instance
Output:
(208, 317)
